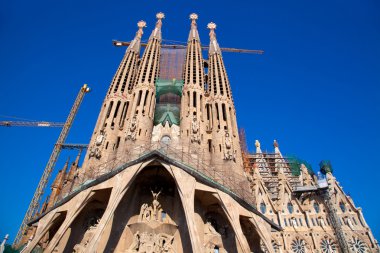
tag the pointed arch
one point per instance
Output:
(250, 232)
(50, 230)
(213, 224)
(80, 231)
(150, 207)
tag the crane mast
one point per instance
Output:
(34, 204)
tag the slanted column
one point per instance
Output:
(140, 127)
(225, 138)
(193, 124)
(113, 118)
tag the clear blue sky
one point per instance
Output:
(316, 88)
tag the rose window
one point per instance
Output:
(328, 246)
(298, 246)
(358, 246)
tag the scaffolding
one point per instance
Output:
(219, 173)
(171, 63)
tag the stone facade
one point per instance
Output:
(157, 185)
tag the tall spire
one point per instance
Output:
(136, 42)
(258, 148)
(276, 147)
(125, 74)
(214, 46)
(193, 97)
(193, 31)
(143, 98)
(156, 33)
(114, 115)
(224, 129)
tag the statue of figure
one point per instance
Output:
(294, 222)
(135, 244)
(132, 129)
(92, 224)
(155, 195)
(99, 139)
(228, 153)
(349, 223)
(142, 212)
(95, 152)
(147, 214)
(210, 229)
(156, 204)
(257, 144)
(322, 222)
(195, 130)
(167, 245)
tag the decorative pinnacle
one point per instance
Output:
(193, 16)
(141, 24)
(160, 15)
(275, 144)
(257, 144)
(211, 26)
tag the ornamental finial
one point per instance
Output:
(141, 24)
(275, 144)
(211, 26)
(160, 15)
(257, 143)
(193, 16)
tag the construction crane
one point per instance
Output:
(34, 204)
(119, 43)
(31, 124)
(44, 124)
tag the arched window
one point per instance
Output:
(263, 208)
(316, 207)
(290, 207)
(342, 207)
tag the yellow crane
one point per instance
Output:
(35, 203)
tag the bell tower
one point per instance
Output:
(143, 99)
(108, 134)
(193, 128)
(221, 115)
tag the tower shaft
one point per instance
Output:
(221, 115)
(108, 133)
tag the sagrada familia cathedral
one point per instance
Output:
(166, 171)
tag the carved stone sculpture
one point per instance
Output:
(132, 129)
(95, 152)
(151, 243)
(229, 153)
(91, 228)
(195, 130)
(150, 213)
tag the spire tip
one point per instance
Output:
(257, 143)
(160, 15)
(193, 16)
(141, 24)
(211, 26)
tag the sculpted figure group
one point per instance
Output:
(151, 243)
